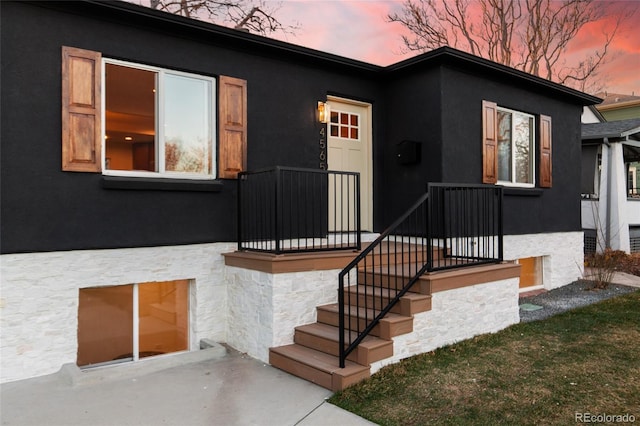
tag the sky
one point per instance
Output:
(358, 29)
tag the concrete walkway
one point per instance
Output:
(621, 278)
(226, 389)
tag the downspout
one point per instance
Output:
(607, 237)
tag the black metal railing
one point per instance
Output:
(292, 210)
(464, 225)
(450, 226)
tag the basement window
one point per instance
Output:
(530, 272)
(129, 322)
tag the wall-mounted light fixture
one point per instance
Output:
(323, 112)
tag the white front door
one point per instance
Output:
(349, 148)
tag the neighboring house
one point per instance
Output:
(590, 114)
(611, 200)
(124, 130)
(615, 106)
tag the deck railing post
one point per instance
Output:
(341, 314)
(500, 225)
(428, 220)
(238, 213)
(358, 213)
(277, 201)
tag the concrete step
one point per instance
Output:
(391, 325)
(317, 367)
(325, 338)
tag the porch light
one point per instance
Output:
(323, 112)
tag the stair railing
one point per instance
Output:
(450, 226)
(407, 238)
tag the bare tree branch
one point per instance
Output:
(249, 15)
(531, 35)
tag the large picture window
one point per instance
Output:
(126, 119)
(516, 152)
(157, 121)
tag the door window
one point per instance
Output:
(345, 125)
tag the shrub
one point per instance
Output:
(604, 266)
(630, 264)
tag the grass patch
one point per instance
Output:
(543, 372)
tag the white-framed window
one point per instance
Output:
(157, 122)
(133, 321)
(516, 149)
(508, 150)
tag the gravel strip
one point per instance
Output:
(571, 296)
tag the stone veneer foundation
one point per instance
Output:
(456, 315)
(39, 299)
(249, 310)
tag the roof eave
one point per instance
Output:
(446, 52)
(630, 132)
(619, 105)
(231, 34)
(267, 44)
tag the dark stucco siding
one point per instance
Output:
(413, 114)
(44, 208)
(434, 99)
(526, 211)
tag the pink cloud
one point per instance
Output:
(358, 29)
(355, 29)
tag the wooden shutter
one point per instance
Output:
(233, 127)
(81, 115)
(545, 151)
(489, 142)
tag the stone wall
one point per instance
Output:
(562, 253)
(39, 299)
(249, 310)
(457, 315)
(265, 308)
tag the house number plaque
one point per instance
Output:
(323, 148)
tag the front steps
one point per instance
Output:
(317, 367)
(314, 354)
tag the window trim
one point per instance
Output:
(135, 323)
(532, 155)
(159, 111)
(543, 151)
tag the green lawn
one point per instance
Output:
(583, 361)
